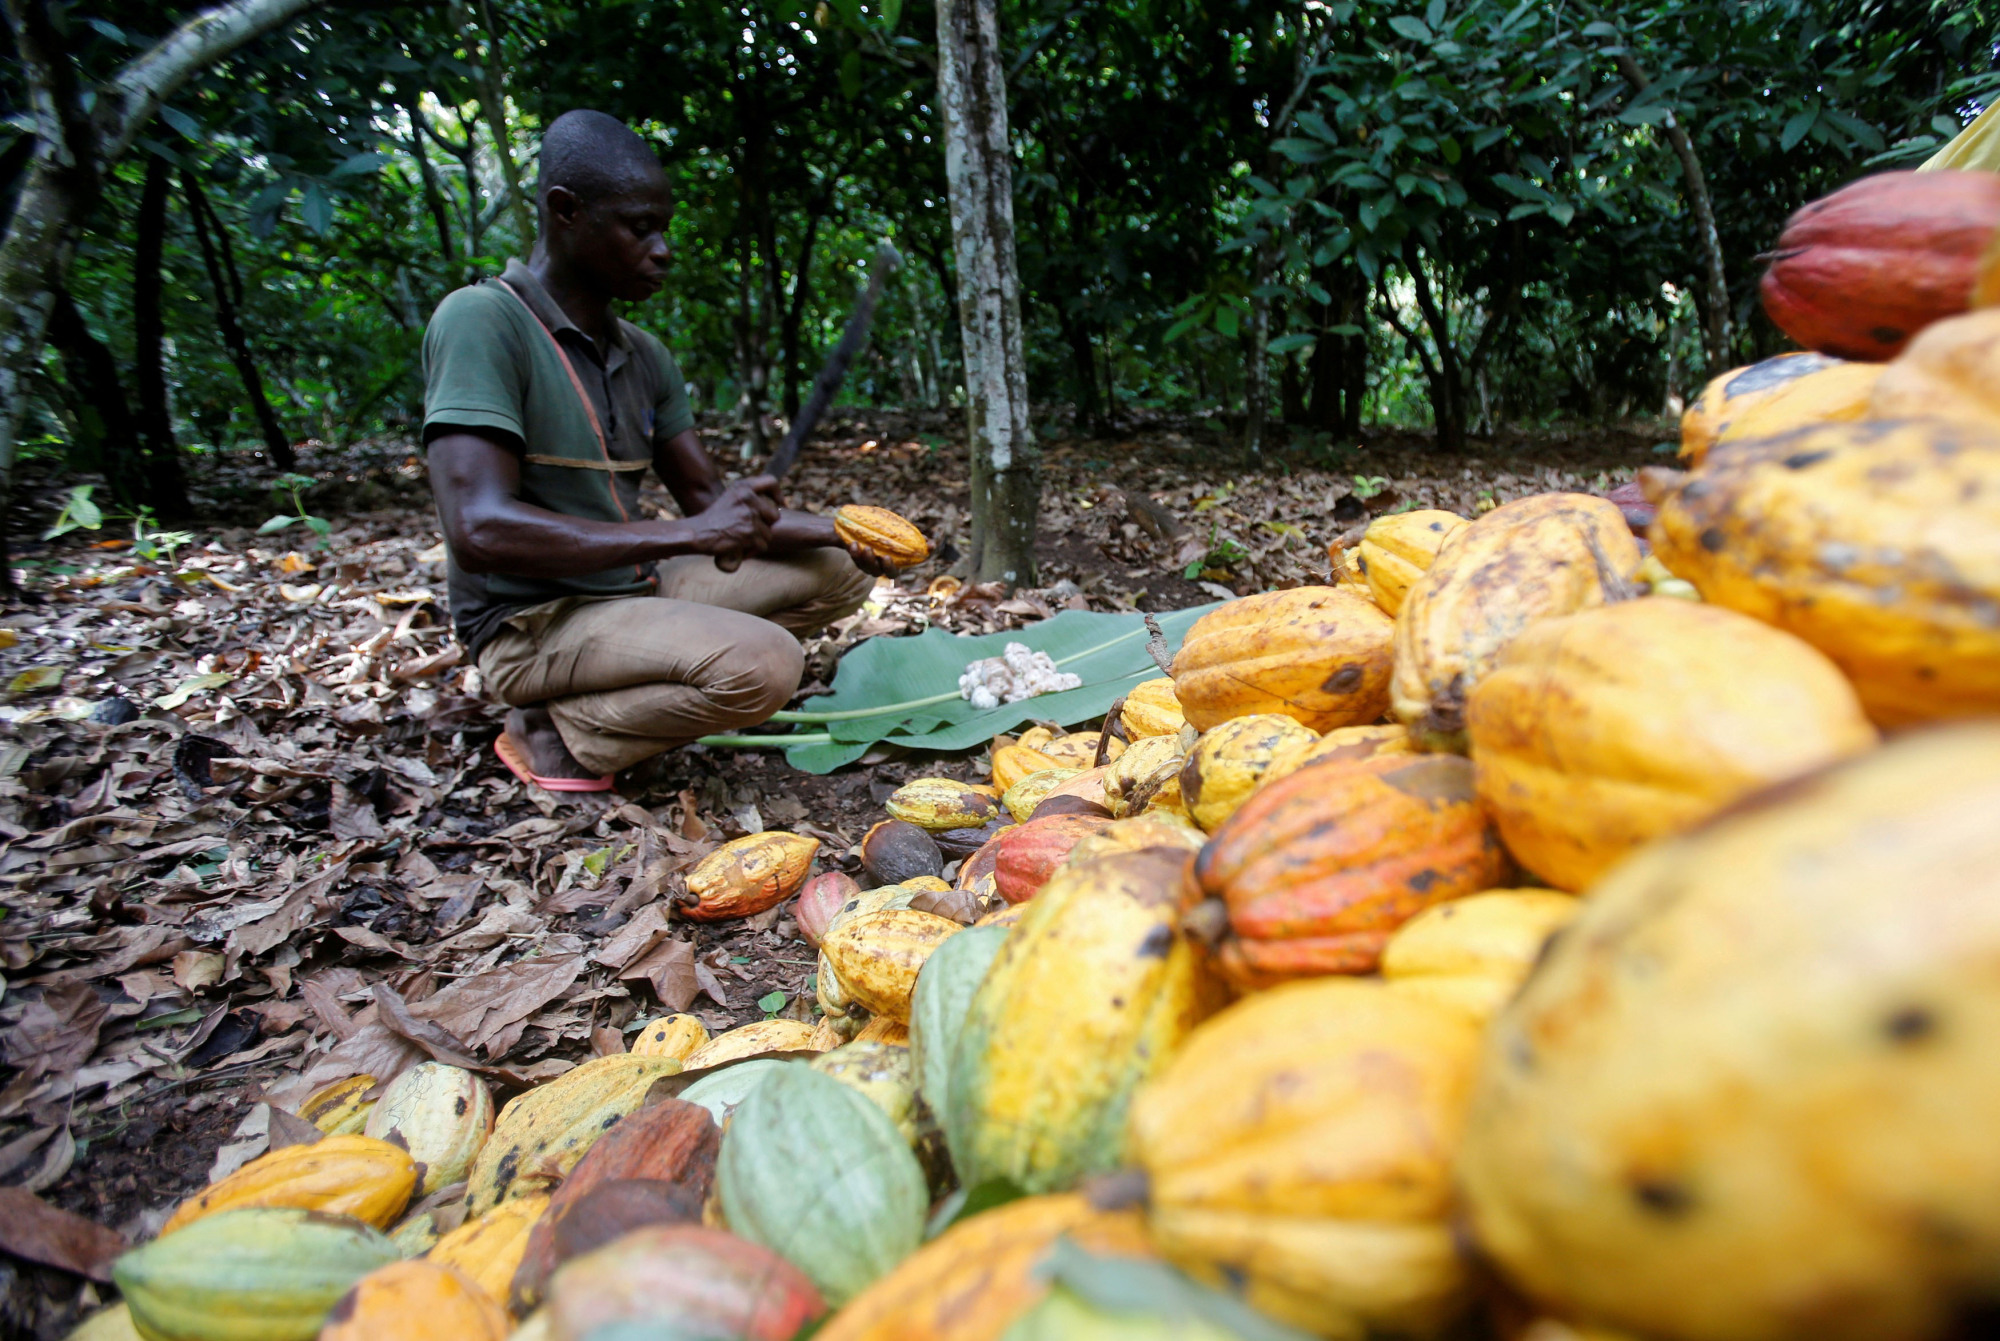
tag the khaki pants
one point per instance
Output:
(627, 678)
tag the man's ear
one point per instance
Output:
(561, 205)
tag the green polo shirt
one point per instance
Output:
(491, 366)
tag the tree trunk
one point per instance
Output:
(1083, 372)
(1006, 485)
(162, 486)
(493, 103)
(1447, 379)
(74, 150)
(433, 195)
(795, 315)
(228, 293)
(1257, 359)
(91, 370)
(1716, 335)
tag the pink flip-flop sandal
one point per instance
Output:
(508, 751)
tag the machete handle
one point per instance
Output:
(729, 563)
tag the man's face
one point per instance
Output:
(618, 240)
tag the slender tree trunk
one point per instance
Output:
(1006, 484)
(493, 105)
(1083, 370)
(789, 332)
(427, 172)
(163, 485)
(1716, 334)
(228, 295)
(98, 392)
(1257, 360)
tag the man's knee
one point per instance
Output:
(758, 677)
(839, 588)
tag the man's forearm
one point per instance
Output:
(530, 541)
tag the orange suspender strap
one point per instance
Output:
(609, 466)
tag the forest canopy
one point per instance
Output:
(1303, 219)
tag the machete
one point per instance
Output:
(827, 384)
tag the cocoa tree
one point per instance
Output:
(972, 91)
(81, 129)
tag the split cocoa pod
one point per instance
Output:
(747, 875)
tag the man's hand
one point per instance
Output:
(870, 562)
(739, 521)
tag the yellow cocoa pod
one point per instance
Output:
(1011, 763)
(883, 534)
(1397, 550)
(882, 1029)
(1229, 763)
(110, 1324)
(877, 956)
(1152, 709)
(1347, 742)
(341, 1175)
(1315, 654)
(674, 1036)
(1079, 749)
(881, 1073)
(751, 1040)
(1534, 558)
(1473, 953)
(1022, 798)
(542, 1133)
(441, 1114)
(415, 1301)
(1873, 541)
(488, 1248)
(341, 1109)
(942, 804)
(748, 875)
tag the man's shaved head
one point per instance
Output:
(593, 156)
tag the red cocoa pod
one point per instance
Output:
(820, 901)
(707, 1282)
(669, 1142)
(1856, 273)
(1028, 854)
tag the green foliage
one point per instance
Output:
(1464, 212)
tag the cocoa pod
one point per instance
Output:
(896, 850)
(673, 1143)
(1027, 855)
(958, 844)
(820, 902)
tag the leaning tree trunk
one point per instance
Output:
(1006, 484)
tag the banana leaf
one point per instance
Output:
(904, 691)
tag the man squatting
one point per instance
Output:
(611, 637)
